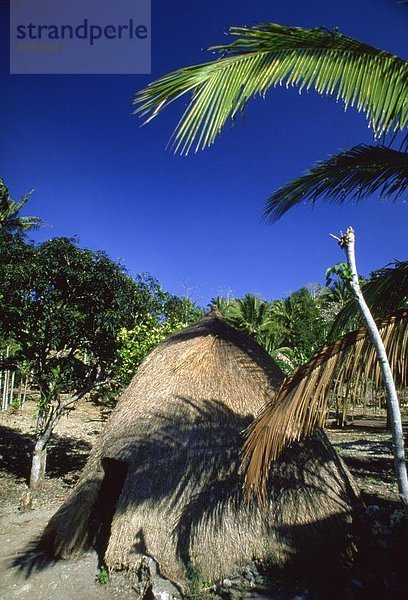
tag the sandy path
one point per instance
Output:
(65, 580)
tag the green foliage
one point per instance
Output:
(102, 576)
(290, 330)
(64, 306)
(136, 343)
(223, 305)
(15, 405)
(307, 332)
(385, 291)
(198, 586)
(340, 270)
(10, 221)
(266, 55)
(354, 174)
(181, 310)
(251, 315)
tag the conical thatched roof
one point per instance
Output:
(174, 442)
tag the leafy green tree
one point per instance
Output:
(181, 309)
(307, 331)
(10, 220)
(65, 306)
(136, 343)
(249, 314)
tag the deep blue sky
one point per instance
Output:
(196, 220)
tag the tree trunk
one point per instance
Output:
(347, 242)
(4, 402)
(13, 376)
(25, 391)
(39, 462)
(47, 421)
(6, 384)
(45, 425)
(20, 390)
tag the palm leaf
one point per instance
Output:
(386, 292)
(9, 212)
(354, 174)
(266, 55)
(300, 405)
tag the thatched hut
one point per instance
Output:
(164, 479)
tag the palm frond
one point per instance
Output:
(385, 292)
(300, 405)
(353, 174)
(9, 212)
(263, 56)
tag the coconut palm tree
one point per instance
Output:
(222, 305)
(10, 220)
(372, 80)
(251, 315)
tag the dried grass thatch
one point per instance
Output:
(342, 368)
(176, 437)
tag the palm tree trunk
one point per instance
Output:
(347, 243)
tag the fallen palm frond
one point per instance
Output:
(300, 405)
(352, 175)
(263, 56)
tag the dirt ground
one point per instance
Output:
(64, 580)
(365, 446)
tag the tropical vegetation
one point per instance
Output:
(11, 221)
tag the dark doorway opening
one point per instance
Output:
(111, 488)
